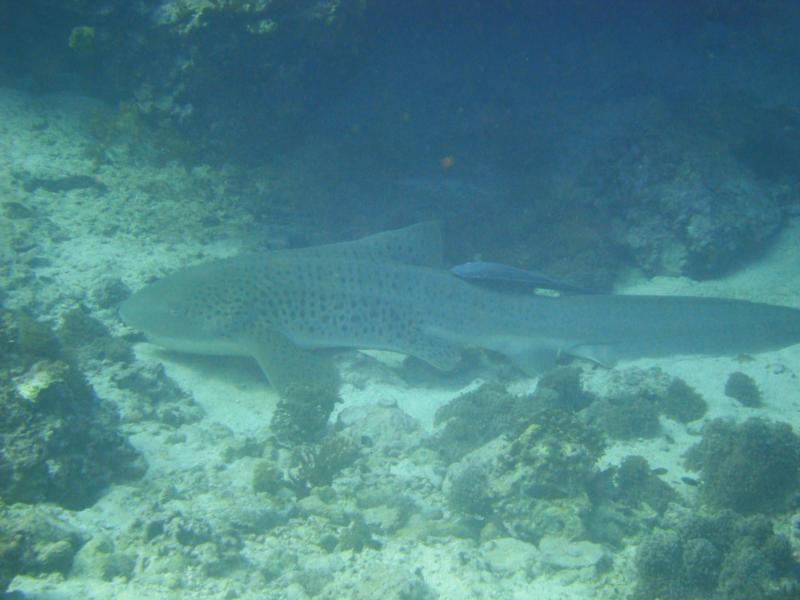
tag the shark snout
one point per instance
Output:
(127, 312)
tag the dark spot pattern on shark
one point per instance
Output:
(390, 291)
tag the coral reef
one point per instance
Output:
(720, 555)
(530, 484)
(627, 416)
(303, 411)
(561, 388)
(36, 540)
(150, 395)
(308, 466)
(543, 477)
(472, 419)
(85, 339)
(633, 408)
(738, 463)
(318, 465)
(636, 484)
(624, 500)
(476, 417)
(557, 452)
(60, 442)
(742, 388)
(682, 403)
(533, 470)
(470, 493)
(687, 210)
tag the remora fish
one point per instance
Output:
(513, 278)
(390, 292)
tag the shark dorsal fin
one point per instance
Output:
(419, 245)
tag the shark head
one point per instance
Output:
(188, 311)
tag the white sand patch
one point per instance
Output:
(231, 390)
(419, 402)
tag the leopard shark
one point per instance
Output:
(391, 291)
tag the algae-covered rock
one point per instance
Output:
(550, 464)
(470, 494)
(558, 454)
(318, 571)
(384, 427)
(509, 556)
(25, 341)
(60, 442)
(627, 416)
(636, 484)
(110, 292)
(203, 541)
(625, 500)
(388, 582)
(152, 395)
(561, 388)
(474, 418)
(681, 402)
(749, 468)
(35, 540)
(685, 209)
(533, 484)
(267, 477)
(632, 409)
(100, 558)
(318, 465)
(743, 388)
(84, 338)
(155, 396)
(358, 535)
(562, 553)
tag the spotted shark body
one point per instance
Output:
(390, 292)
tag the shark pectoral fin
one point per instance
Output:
(288, 366)
(601, 354)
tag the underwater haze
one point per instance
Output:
(407, 300)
